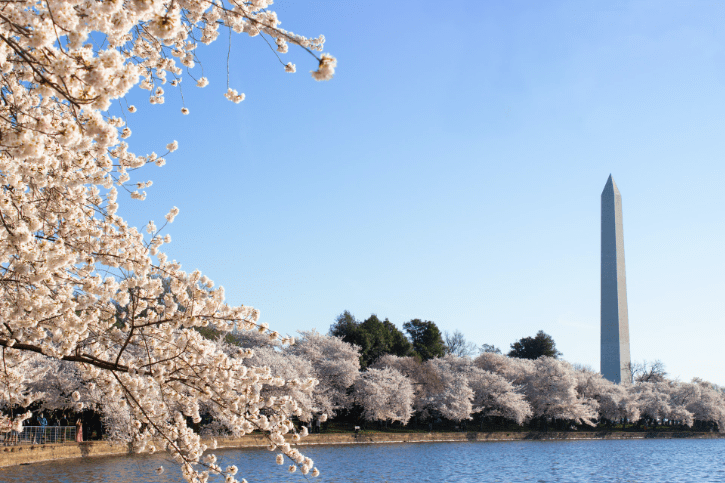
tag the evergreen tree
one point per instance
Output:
(426, 338)
(374, 337)
(534, 347)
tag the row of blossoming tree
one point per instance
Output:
(488, 386)
(83, 301)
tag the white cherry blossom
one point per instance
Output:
(79, 285)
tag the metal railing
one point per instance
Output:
(39, 435)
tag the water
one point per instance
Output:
(664, 460)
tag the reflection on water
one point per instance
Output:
(540, 462)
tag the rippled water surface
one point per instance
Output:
(552, 461)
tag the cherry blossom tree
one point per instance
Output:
(454, 399)
(611, 399)
(550, 386)
(78, 283)
(424, 377)
(491, 394)
(512, 369)
(551, 390)
(385, 395)
(17, 369)
(289, 367)
(455, 388)
(495, 396)
(709, 405)
(334, 363)
(653, 400)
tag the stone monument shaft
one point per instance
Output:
(615, 361)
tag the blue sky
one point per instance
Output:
(452, 169)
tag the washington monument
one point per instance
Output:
(615, 361)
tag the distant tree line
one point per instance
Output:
(424, 340)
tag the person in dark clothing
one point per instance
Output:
(42, 422)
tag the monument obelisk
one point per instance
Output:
(615, 361)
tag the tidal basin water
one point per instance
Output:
(649, 460)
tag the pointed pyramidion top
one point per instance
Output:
(611, 186)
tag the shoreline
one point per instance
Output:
(38, 453)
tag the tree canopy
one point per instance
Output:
(426, 338)
(457, 345)
(377, 338)
(490, 348)
(374, 337)
(534, 347)
(648, 372)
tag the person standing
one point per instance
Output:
(42, 422)
(55, 432)
(64, 431)
(79, 431)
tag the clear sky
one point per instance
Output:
(452, 171)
